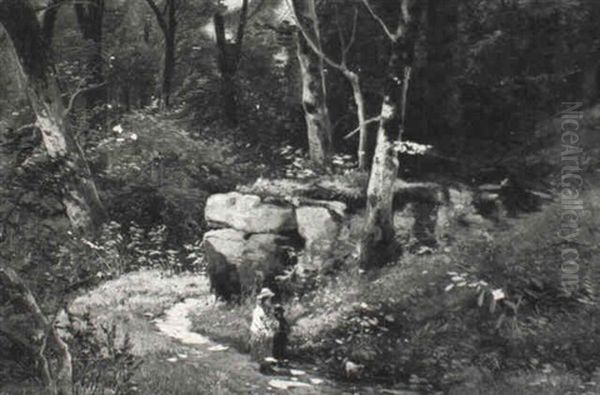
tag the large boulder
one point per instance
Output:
(320, 228)
(248, 213)
(240, 264)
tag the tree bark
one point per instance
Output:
(168, 69)
(377, 242)
(314, 93)
(78, 191)
(359, 101)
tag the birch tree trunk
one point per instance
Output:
(314, 94)
(78, 191)
(377, 241)
(359, 101)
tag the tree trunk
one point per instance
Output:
(229, 56)
(314, 93)
(78, 191)
(359, 101)
(61, 380)
(227, 61)
(168, 69)
(167, 20)
(314, 104)
(377, 243)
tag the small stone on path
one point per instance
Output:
(285, 384)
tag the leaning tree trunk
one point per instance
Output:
(78, 191)
(314, 94)
(57, 379)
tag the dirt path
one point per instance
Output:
(153, 309)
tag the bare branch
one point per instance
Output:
(367, 122)
(313, 45)
(388, 32)
(346, 46)
(27, 126)
(77, 93)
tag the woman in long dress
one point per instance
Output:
(263, 328)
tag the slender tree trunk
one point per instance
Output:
(314, 93)
(227, 62)
(229, 56)
(167, 21)
(359, 101)
(168, 69)
(79, 195)
(318, 123)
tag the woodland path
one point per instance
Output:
(153, 309)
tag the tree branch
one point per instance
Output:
(160, 18)
(378, 19)
(77, 93)
(339, 66)
(345, 46)
(367, 122)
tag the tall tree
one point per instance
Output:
(351, 76)
(314, 93)
(378, 234)
(229, 55)
(78, 190)
(90, 15)
(167, 21)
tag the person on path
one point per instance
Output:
(263, 328)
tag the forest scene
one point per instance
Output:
(300, 197)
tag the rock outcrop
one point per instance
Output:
(239, 263)
(248, 213)
(259, 227)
